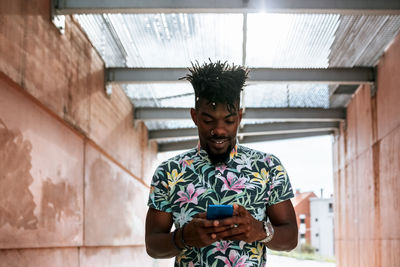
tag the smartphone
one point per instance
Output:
(216, 212)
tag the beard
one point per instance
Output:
(218, 159)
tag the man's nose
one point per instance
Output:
(219, 130)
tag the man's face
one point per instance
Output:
(217, 128)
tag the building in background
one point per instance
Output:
(322, 227)
(301, 204)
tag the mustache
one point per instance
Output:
(218, 137)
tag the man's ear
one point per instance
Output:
(240, 114)
(194, 115)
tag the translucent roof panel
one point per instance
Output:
(165, 40)
(318, 40)
(287, 95)
(290, 40)
(178, 94)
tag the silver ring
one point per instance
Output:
(212, 132)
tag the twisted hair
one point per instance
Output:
(217, 82)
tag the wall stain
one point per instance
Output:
(108, 204)
(58, 201)
(16, 200)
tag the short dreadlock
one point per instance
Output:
(217, 82)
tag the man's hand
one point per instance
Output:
(201, 232)
(241, 226)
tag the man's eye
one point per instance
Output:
(208, 121)
(230, 122)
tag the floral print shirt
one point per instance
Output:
(186, 184)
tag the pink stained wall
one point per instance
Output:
(74, 170)
(367, 172)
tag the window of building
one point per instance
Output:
(302, 220)
(302, 235)
(316, 219)
(330, 207)
(317, 235)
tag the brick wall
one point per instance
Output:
(367, 172)
(73, 167)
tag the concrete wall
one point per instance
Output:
(72, 164)
(367, 172)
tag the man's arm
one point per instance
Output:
(283, 219)
(159, 243)
(199, 232)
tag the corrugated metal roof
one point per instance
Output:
(290, 40)
(166, 40)
(271, 40)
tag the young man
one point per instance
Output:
(219, 171)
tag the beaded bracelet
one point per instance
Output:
(183, 240)
(174, 242)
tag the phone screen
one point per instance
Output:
(216, 212)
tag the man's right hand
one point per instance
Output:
(201, 232)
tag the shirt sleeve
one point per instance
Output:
(280, 187)
(159, 192)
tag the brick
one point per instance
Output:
(364, 119)
(389, 185)
(337, 206)
(390, 253)
(342, 146)
(351, 131)
(115, 257)
(369, 252)
(350, 211)
(388, 93)
(335, 153)
(60, 257)
(111, 127)
(41, 190)
(115, 203)
(368, 213)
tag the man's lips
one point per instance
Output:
(219, 141)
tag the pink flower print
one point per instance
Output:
(221, 168)
(190, 196)
(232, 182)
(235, 260)
(222, 246)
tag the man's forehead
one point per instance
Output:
(205, 104)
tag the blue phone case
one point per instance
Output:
(216, 212)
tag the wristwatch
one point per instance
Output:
(269, 230)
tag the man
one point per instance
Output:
(219, 171)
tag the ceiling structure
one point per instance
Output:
(306, 58)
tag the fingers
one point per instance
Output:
(200, 232)
(201, 215)
(239, 210)
(236, 232)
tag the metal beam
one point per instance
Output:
(249, 130)
(346, 90)
(164, 147)
(285, 114)
(64, 7)
(349, 76)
